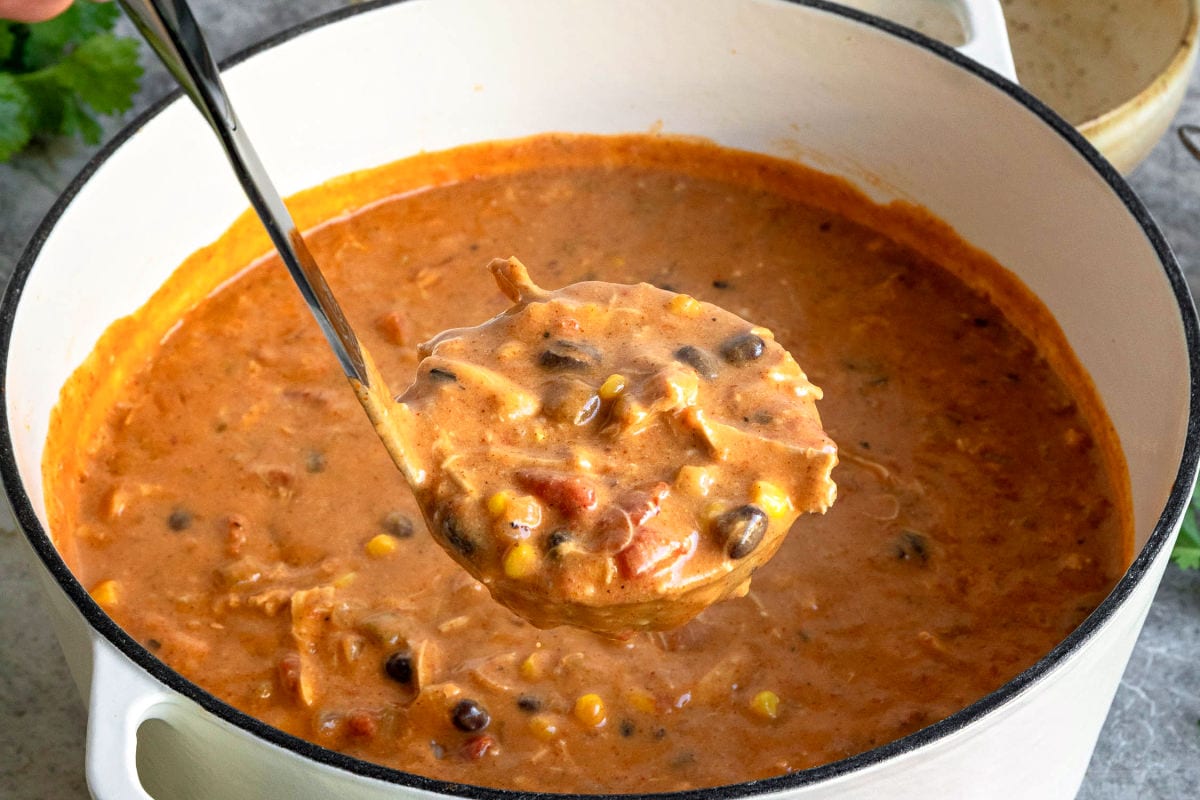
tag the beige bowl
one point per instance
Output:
(1117, 70)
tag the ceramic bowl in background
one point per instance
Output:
(1117, 70)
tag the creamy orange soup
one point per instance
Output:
(213, 482)
(615, 457)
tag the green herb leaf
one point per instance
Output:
(48, 100)
(77, 121)
(16, 117)
(60, 74)
(49, 41)
(103, 72)
(1186, 554)
(8, 40)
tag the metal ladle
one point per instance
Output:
(170, 28)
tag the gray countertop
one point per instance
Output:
(1150, 745)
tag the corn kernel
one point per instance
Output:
(642, 701)
(116, 502)
(381, 546)
(497, 504)
(523, 512)
(345, 580)
(521, 560)
(684, 306)
(765, 704)
(509, 351)
(533, 667)
(589, 709)
(770, 498)
(694, 481)
(612, 386)
(715, 509)
(105, 593)
(543, 727)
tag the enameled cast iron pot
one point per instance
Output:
(897, 114)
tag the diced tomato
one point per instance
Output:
(651, 551)
(362, 724)
(478, 746)
(289, 673)
(570, 495)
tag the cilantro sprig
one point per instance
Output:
(56, 76)
(1187, 548)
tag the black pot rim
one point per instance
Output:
(102, 624)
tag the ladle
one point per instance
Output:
(171, 30)
(603, 527)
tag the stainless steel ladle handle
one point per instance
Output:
(169, 27)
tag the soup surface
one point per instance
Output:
(231, 507)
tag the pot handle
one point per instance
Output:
(986, 34)
(121, 698)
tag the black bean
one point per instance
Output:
(588, 412)
(399, 666)
(720, 284)
(558, 538)
(743, 348)
(397, 524)
(179, 520)
(912, 546)
(563, 355)
(456, 537)
(742, 529)
(469, 716)
(315, 461)
(627, 728)
(439, 375)
(704, 364)
(570, 400)
(529, 704)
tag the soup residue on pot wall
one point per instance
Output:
(223, 497)
(1086, 59)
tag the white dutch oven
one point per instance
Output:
(899, 115)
